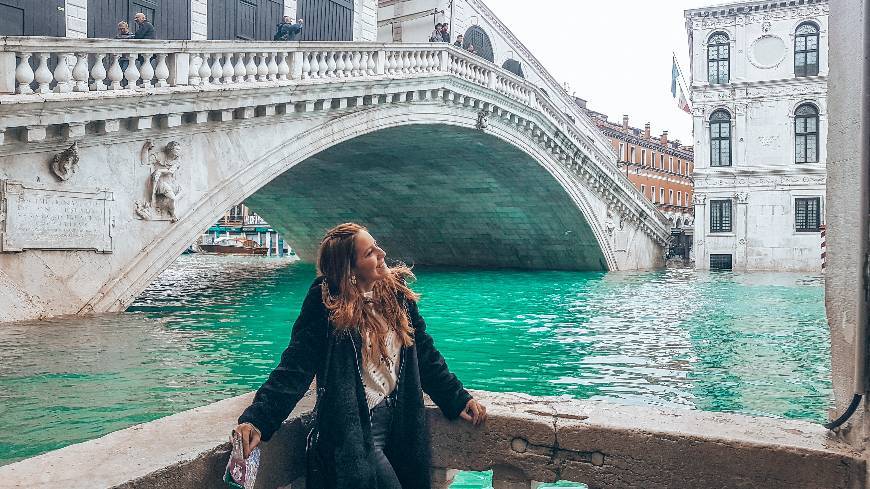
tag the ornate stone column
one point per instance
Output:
(740, 223)
(702, 262)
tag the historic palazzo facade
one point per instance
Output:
(759, 87)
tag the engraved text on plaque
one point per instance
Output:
(41, 217)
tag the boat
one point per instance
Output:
(233, 246)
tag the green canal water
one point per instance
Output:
(213, 327)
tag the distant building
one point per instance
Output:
(759, 89)
(240, 222)
(659, 168)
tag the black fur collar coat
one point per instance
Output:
(346, 439)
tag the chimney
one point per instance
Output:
(646, 131)
(664, 138)
(625, 121)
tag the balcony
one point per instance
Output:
(526, 440)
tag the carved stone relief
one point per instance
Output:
(65, 163)
(482, 120)
(164, 187)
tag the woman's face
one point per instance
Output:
(370, 266)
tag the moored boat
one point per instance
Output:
(233, 246)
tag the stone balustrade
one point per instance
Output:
(526, 440)
(45, 69)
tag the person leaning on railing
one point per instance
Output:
(361, 334)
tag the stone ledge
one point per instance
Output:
(525, 439)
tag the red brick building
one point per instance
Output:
(660, 168)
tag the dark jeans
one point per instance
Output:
(382, 417)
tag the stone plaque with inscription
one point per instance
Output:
(35, 216)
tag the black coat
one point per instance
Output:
(145, 31)
(345, 426)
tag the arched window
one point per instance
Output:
(720, 138)
(806, 134)
(477, 37)
(718, 55)
(514, 67)
(806, 50)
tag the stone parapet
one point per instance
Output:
(92, 70)
(525, 441)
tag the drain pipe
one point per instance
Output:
(840, 9)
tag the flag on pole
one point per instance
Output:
(677, 88)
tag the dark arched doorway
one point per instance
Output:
(514, 67)
(477, 37)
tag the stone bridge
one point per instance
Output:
(111, 167)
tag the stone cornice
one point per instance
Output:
(757, 11)
(653, 144)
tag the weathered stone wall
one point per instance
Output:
(199, 19)
(525, 439)
(76, 12)
(365, 20)
(847, 237)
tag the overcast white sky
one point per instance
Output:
(614, 53)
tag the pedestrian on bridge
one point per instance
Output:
(145, 29)
(436, 34)
(360, 324)
(282, 30)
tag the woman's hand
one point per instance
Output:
(250, 437)
(474, 412)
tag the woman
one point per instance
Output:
(372, 423)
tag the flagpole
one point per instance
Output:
(680, 71)
(681, 80)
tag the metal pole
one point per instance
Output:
(452, 35)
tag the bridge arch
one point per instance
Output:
(358, 128)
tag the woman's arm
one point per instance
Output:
(437, 380)
(293, 375)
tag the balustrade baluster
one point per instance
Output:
(306, 65)
(98, 73)
(371, 64)
(283, 67)
(340, 65)
(364, 57)
(251, 69)
(272, 67)
(116, 75)
(131, 74)
(239, 69)
(359, 68)
(24, 74)
(217, 71)
(262, 68)
(62, 74)
(162, 71)
(147, 71)
(229, 71)
(322, 66)
(80, 73)
(406, 63)
(195, 63)
(391, 63)
(330, 63)
(43, 74)
(205, 70)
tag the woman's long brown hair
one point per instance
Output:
(336, 259)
